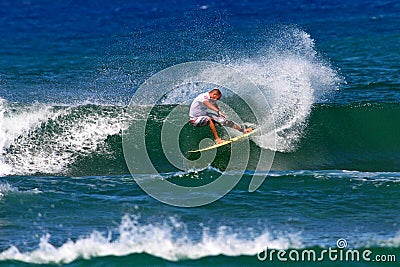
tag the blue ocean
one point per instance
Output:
(318, 186)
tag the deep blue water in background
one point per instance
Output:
(69, 68)
(63, 46)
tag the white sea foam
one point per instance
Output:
(292, 77)
(168, 240)
(16, 122)
(6, 188)
(4, 168)
(42, 138)
(395, 241)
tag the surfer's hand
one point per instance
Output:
(222, 114)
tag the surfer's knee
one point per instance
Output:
(229, 123)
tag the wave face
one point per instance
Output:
(352, 137)
(87, 139)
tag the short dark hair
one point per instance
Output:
(216, 90)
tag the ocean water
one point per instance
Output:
(329, 72)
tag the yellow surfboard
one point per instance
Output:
(224, 143)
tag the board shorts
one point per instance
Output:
(204, 120)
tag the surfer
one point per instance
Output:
(200, 114)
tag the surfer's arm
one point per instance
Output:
(214, 107)
(222, 114)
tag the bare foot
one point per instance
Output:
(248, 130)
(219, 141)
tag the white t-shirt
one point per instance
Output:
(197, 108)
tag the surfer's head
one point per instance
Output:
(215, 94)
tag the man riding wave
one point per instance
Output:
(201, 114)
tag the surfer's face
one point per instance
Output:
(215, 96)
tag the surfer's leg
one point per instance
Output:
(206, 120)
(227, 123)
(241, 129)
(214, 131)
(235, 126)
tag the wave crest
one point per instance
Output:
(168, 240)
(293, 77)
